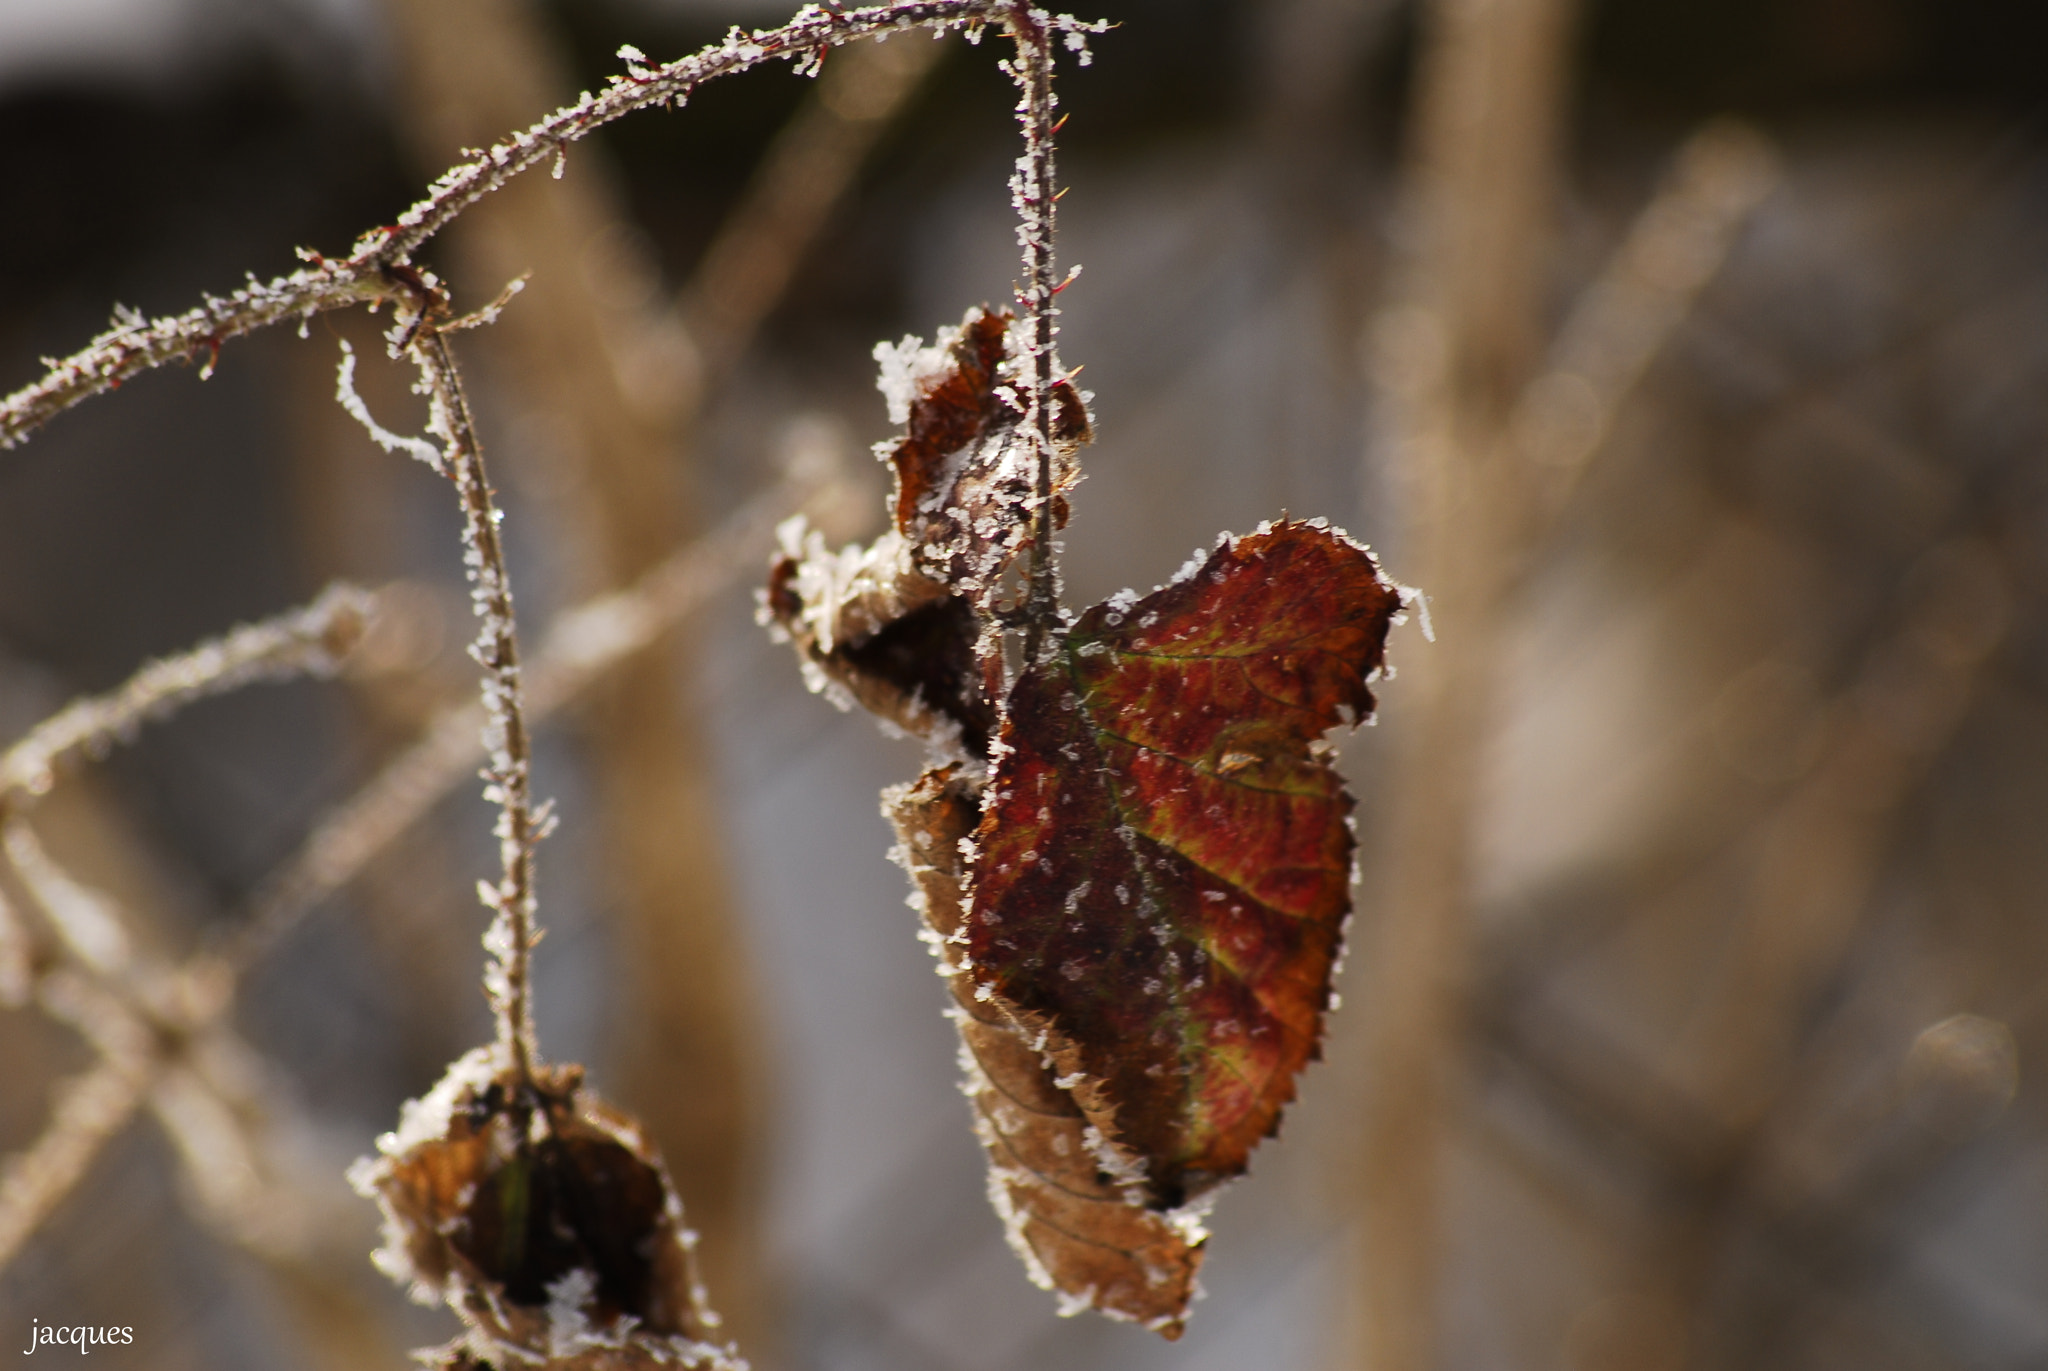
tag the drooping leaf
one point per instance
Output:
(1135, 869)
(1060, 1189)
(871, 629)
(1161, 872)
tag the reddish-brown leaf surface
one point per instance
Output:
(1162, 868)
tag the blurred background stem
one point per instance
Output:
(1453, 352)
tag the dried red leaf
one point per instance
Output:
(1162, 868)
(1159, 860)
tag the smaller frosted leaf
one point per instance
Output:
(1163, 864)
(873, 630)
(894, 627)
(965, 472)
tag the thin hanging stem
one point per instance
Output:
(1033, 191)
(508, 765)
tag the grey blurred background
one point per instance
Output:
(1731, 1035)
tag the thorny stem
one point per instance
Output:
(508, 768)
(1032, 188)
(135, 345)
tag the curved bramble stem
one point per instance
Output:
(135, 345)
(508, 756)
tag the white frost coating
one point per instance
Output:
(422, 1121)
(973, 1080)
(426, 1119)
(909, 368)
(345, 392)
(130, 348)
(1188, 1221)
(1188, 569)
(1410, 595)
(569, 1329)
(1124, 1169)
(1013, 1219)
(818, 683)
(849, 594)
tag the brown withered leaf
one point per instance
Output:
(871, 629)
(1064, 1195)
(543, 1218)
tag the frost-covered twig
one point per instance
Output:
(83, 919)
(508, 761)
(312, 640)
(90, 1109)
(582, 645)
(378, 267)
(237, 1178)
(1033, 191)
(160, 1040)
(93, 974)
(91, 978)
